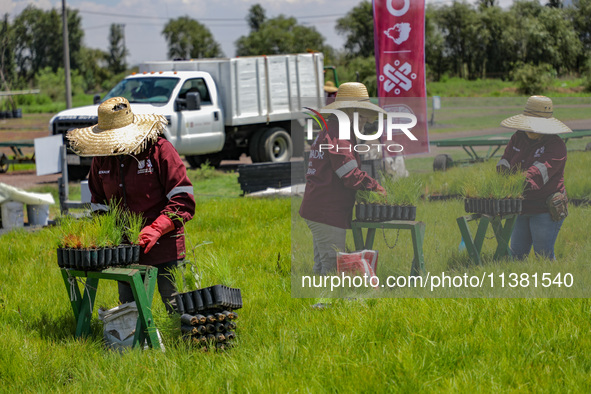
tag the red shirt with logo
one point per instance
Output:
(152, 183)
(332, 179)
(544, 160)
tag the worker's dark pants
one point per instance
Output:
(166, 286)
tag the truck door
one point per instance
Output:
(200, 131)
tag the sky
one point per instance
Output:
(144, 20)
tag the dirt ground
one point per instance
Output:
(32, 126)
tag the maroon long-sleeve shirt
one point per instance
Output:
(544, 160)
(332, 180)
(153, 183)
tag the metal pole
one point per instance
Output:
(66, 55)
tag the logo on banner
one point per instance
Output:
(398, 12)
(399, 32)
(394, 78)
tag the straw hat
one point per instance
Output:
(537, 118)
(118, 132)
(330, 87)
(352, 95)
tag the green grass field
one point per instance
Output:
(284, 345)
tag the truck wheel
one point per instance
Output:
(77, 172)
(275, 145)
(442, 162)
(253, 146)
(195, 161)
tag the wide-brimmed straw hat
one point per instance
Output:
(118, 132)
(537, 118)
(352, 95)
(330, 87)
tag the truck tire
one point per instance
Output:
(253, 146)
(195, 161)
(275, 145)
(77, 172)
(442, 162)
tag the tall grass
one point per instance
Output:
(365, 345)
(486, 182)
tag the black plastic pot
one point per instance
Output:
(17, 113)
(206, 297)
(384, 212)
(404, 215)
(412, 213)
(397, 212)
(122, 255)
(391, 212)
(188, 302)
(180, 306)
(94, 259)
(197, 301)
(360, 212)
(60, 257)
(377, 210)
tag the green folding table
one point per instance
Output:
(142, 280)
(502, 234)
(417, 230)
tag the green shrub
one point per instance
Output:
(531, 79)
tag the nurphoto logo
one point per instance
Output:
(402, 121)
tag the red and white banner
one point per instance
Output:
(399, 34)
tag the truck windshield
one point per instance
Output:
(150, 90)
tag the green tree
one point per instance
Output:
(94, 69)
(357, 26)
(280, 35)
(7, 68)
(188, 38)
(546, 35)
(435, 56)
(554, 4)
(38, 40)
(256, 17)
(465, 40)
(580, 14)
(117, 50)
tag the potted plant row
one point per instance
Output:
(399, 203)
(102, 241)
(494, 193)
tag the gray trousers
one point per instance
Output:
(166, 286)
(328, 240)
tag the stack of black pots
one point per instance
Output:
(98, 259)
(489, 206)
(208, 317)
(382, 213)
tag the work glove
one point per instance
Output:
(150, 235)
(380, 189)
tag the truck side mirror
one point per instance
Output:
(193, 101)
(96, 99)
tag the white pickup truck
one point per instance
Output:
(217, 108)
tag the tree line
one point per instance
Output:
(465, 40)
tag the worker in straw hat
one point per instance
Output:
(334, 176)
(137, 169)
(536, 149)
